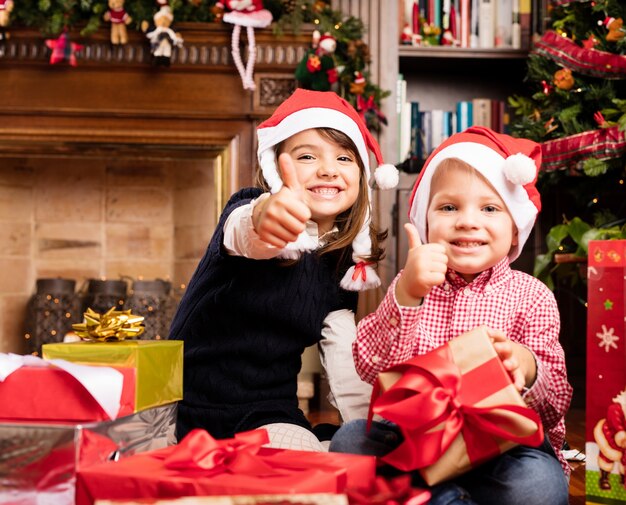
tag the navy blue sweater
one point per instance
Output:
(245, 324)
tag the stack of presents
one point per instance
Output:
(93, 422)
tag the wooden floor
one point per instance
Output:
(575, 438)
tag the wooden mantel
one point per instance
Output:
(115, 96)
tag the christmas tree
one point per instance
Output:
(577, 111)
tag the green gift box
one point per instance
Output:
(158, 365)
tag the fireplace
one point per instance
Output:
(117, 169)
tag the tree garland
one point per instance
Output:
(351, 56)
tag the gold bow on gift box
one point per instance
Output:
(113, 325)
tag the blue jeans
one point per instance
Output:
(521, 476)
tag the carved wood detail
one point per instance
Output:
(206, 45)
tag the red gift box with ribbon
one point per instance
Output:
(456, 407)
(33, 393)
(200, 465)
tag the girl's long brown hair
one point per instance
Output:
(350, 221)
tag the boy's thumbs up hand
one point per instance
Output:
(425, 267)
(280, 218)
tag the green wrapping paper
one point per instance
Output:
(158, 365)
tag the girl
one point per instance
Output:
(280, 274)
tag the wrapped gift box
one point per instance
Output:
(606, 372)
(200, 465)
(269, 499)
(456, 407)
(91, 393)
(39, 461)
(159, 365)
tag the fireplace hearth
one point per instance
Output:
(115, 169)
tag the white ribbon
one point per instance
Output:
(103, 383)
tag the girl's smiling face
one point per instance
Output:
(328, 173)
(469, 218)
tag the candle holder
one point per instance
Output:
(153, 300)
(52, 310)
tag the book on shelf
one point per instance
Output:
(516, 32)
(504, 22)
(525, 23)
(463, 115)
(486, 24)
(481, 112)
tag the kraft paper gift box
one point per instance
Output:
(159, 365)
(200, 465)
(32, 389)
(456, 407)
(606, 372)
(39, 461)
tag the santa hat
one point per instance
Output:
(509, 164)
(164, 12)
(304, 110)
(608, 20)
(327, 43)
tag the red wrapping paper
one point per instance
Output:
(200, 465)
(456, 407)
(34, 394)
(605, 414)
(396, 491)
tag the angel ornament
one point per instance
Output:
(251, 14)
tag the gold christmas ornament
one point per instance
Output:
(112, 326)
(563, 79)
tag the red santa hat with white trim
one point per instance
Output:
(511, 166)
(304, 110)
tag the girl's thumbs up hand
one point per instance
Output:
(280, 218)
(425, 267)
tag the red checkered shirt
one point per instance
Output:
(501, 298)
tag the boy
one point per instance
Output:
(472, 209)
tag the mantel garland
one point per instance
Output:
(351, 57)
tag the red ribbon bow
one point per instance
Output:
(360, 270)
(429, 395)
(364, 105)
(200, 451)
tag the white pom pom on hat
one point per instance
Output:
(510, 164)
(306, 109)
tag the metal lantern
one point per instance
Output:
(51, 311)
(101, 295)
(152, 299)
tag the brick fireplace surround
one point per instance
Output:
(115, 168)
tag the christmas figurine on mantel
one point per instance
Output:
(119, 18)
(161, 36)
(316, 71)
(251, 14)
(6, 6)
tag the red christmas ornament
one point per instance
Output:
(590, 42)
(547, 87)
(63, 50)
(599, 118)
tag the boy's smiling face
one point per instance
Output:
(328, 173)
(469, 218)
